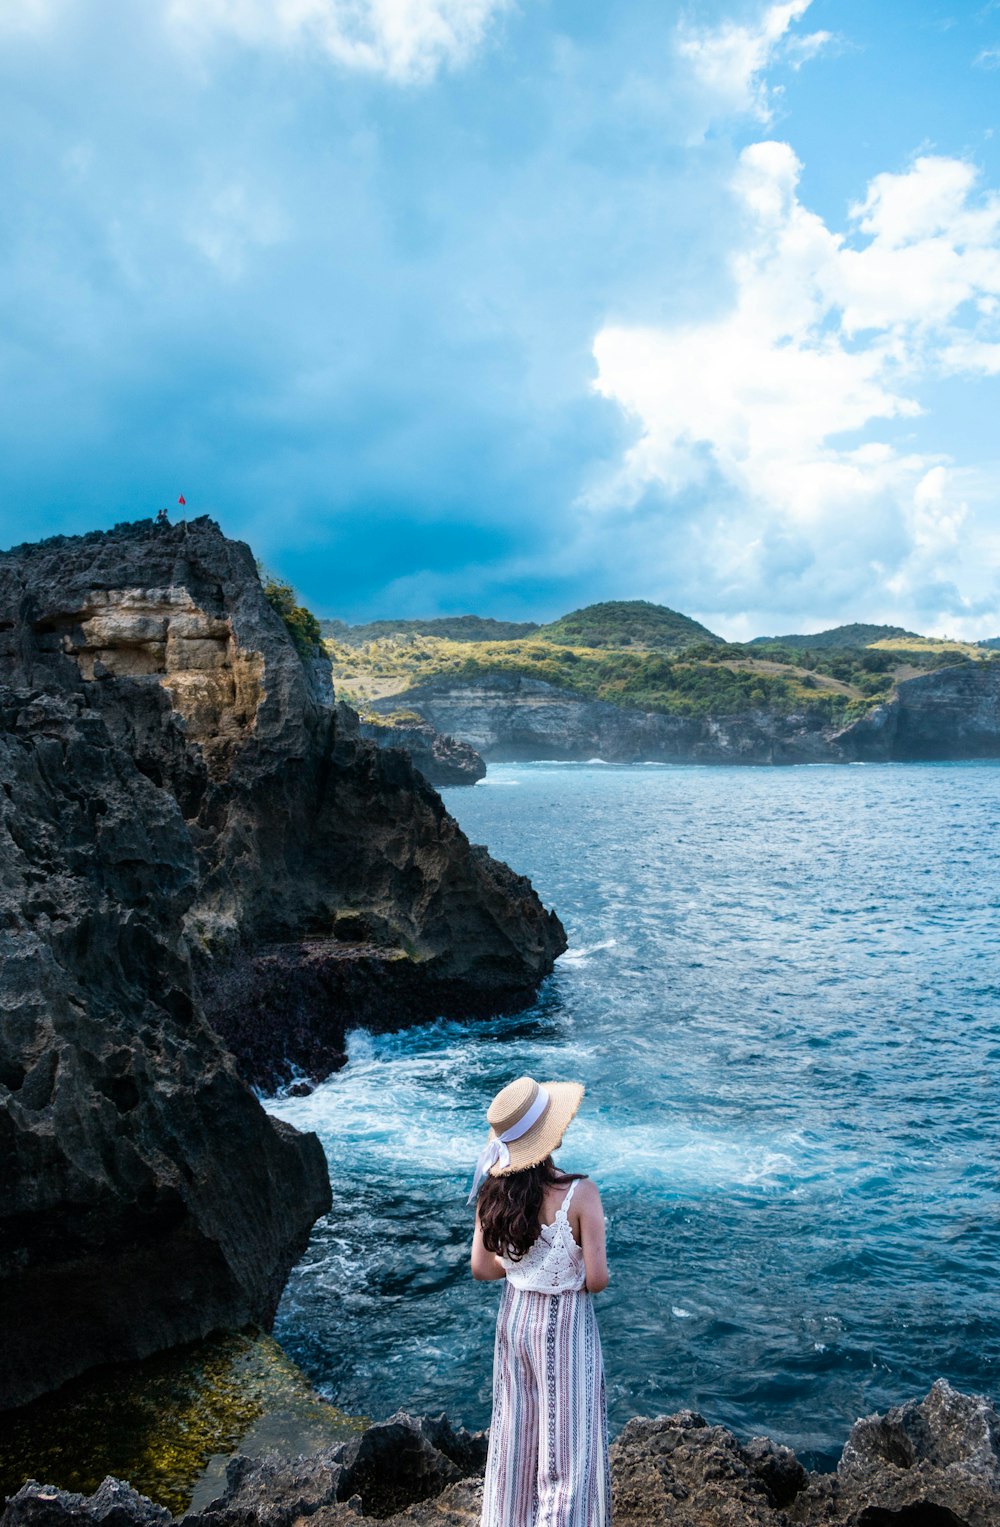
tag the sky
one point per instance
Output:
(507, 306)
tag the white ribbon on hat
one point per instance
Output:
(495, 1151)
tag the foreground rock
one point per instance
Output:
(932, 1463)
(441, 760)
(179, 792)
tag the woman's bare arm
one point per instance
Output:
(486, 1267)
(587, 1203)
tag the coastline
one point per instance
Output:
(194, 894)
(933, 1462)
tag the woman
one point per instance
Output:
(542, 1231)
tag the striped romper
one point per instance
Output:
(548, 1455)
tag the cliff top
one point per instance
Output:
(125, 530)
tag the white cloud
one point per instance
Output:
(799, 49)
(776, 407)
(728, 62)
(989, 58)
(407, 41)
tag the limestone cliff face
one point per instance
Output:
(951, 713)
(178, 792)
(509, 717)
(294, 818)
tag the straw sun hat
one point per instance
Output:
(527, 1122)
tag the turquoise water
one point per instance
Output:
(783, 996)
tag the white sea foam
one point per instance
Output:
(582, 955)
(434, 1126)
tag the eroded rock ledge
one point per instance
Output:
(441, 760)
(929, 1463)
(177, 792)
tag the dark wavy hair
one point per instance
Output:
(510, 1207)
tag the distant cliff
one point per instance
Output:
(180, 801)
(509, 717)
(953, 713)
(950, 713)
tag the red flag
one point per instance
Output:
(182, 499)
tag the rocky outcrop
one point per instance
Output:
(147, 1198)
(441, 760)
(284, 1010)
(929, 1463)
(923, 1460)
(391, 1465)
(177, 793)
(932, 1463)
(950, 713)
(507, 717)
(113, 1504)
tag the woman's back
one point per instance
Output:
(554, 1264)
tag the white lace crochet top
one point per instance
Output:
(554, 1264)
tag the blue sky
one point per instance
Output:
(510, 305)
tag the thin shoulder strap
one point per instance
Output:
(564, 1206)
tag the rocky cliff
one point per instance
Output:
(508, 717)
(178, 793)
(951, 713)
(147, 1198)
(442, 760)
(929, 1463)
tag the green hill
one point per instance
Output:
(856, 635)
(626, 623)
(453, 628)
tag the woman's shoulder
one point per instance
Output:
(584, 1188)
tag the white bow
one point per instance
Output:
(495, 1151)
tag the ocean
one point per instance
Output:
(782, 994)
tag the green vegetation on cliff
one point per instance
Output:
(643, 680)
(300, 623)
